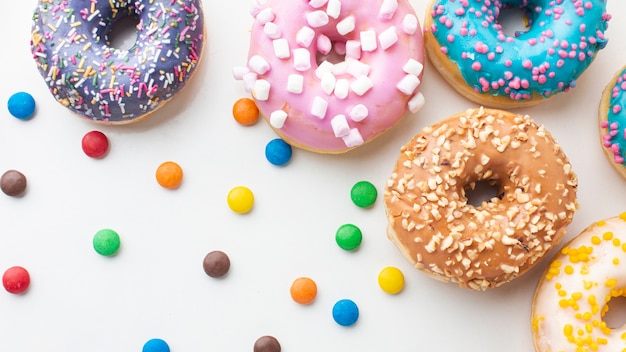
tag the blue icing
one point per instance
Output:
(562, 41)
(615, 124)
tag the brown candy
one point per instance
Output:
(267, 344)
(13, 183)
(216, 264)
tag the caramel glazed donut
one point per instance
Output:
(70, 45)
(434, 226)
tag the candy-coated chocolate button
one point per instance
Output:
(156, 345)
(391, 280)
(106, 242)
(348, 237)
(240, 199)
(278, 152)
(245, 111)
(16, 280)
(13, 183)
(303, 290)
(216, 264)
(266, 344)
(345, 312)
(169, 175)
(363, 194)
(21, 105)
(95, 144)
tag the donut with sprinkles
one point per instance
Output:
(572, 297)
(331, 75)
(70, 44)
(612, 117)
(472, 52)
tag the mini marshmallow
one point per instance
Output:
(301, 59)
(408, 84)
(388, 37)
(416, 103)
(353, 138)
(323, 68)
(328, 83)
(361, 85)
(342, 88)
(281, 48)
(249, 79)
(353, 49)
(271, 30)
(317, 18)
(333, 9)
(265, 15)
(413, 67)
(258, 64)
(319, 107)
(340, 126)
(278, 118)
(305, 36)
(346, 25)
(317, 3)
(358, 113)
(239, 71)
(368, 41)
(295, 82)
(261, 90)
(340, 68)
(387, 9)
(410, 24)
(324, 45)
(356, 68)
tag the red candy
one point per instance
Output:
(16, 280)
(95, 144)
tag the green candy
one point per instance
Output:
(348, 237)
(363, 194)
(106, 242)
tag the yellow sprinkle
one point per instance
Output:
(87, 46)
(112, 82)
(587, 284)
(623, 216)
(568, 270)
(616, 261)
(568, 330)
(607, 236)
(587, 316)
(596, 240)
(616, 242)
(87, 71)
(562, 293)
(81, 63)
(610, 283)
(601, 223)
(75, 24)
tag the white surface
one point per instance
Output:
(155, 286)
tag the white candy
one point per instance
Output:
(328, 83)
(324, 45)
(413, 67)
(346, 25)
(295, 82)
(356, 68)
(340, 126)
(281, 48)
(416, 103)
(388, 37)
(317, 3)
(271, 30)
(323, 68)
(333, 9)
(278, 118)
(239, 71)
(353, 49)
(265, 15)
(408, 84)
(305, 36)
(353, 138)
(301, 59)
(358, 113)
(340, 68)
(361, 85)
(249, 79)
(410, 24)
(258, 64)
(317, 18)
(387, 9)
(342, 88)
(261, 90)
(368, 41)
(319, 107)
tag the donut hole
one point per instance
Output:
(482, 191)
(514, 21)
(615, 316)
(336, 55)
(123, 33)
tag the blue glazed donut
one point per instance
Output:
(71, 48)
(468, 46)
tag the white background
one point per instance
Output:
(155, 286)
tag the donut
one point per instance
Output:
(612, 117)
(331, 75)
(467, 45)
(432, 222)
(70, 45)
(572, 296)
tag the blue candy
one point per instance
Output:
(345, 312)
(156, 345)
(21, 105)
(278, 152)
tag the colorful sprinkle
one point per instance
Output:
(391, 280)
(169, 175)
(278, 152)
(348, 237)
(303, 290)
(16, 280)
(106, 242)
(95, 144)
(240, 199)
(363, 194)
(21, 105)
(345, 312)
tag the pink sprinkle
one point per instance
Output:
(617, 109)
(527, 64)
(476, 66)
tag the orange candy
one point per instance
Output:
(303, 290)
(245, 111)
(169, 175)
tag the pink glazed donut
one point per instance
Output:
(330, 75)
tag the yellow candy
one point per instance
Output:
(240, 199)
(391, 280)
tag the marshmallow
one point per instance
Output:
(261, 90)
(358, 113)
(342, 88)
(305, 36)
(319, 107)
(356, 68)
(408, 84)
(317, 18)
(239, 71)
(265, 15)
(317, 3)
(333, 9)
(368, 41)
(353, 138)
(324, 45)
(387, 9)
(258, 64)
(340, 126)
(271, 30)
(346, 25)
(353, 49)
(301, 59)
(416, 103)
(281, 48)
(278, 118)
(361, 85)
(410, 24)
(388, 37)
(328, 83)
(295, 82)
(413, 67)
(323, 68)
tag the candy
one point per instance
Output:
(345, 312)
(245, 111)
(16, 280)
(169, 175)
(21, 105)
(156, 345)
(303, 290)
(278, 152)
(216, 264)
(348, 237)
(391, 280)
(240, 199)
(363, 194)
(267, 344)
(106, 242)
(13, 183)
(95, 144)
